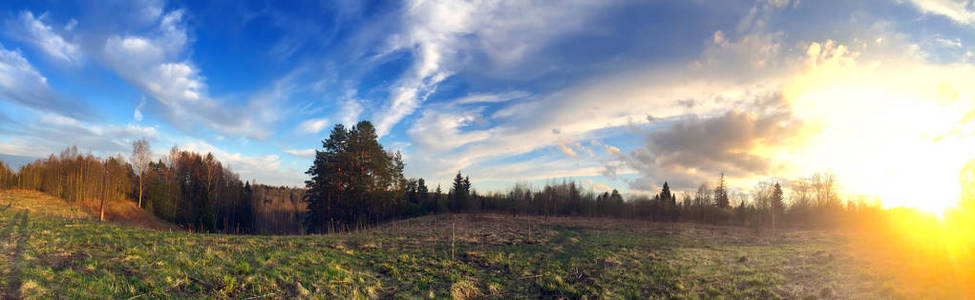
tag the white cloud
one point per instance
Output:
(492, 98)
(19, 80)
(441, 130)
(304, 153)
(21, 83)
(154, 62)
(348, 115)
(567, 150)
(137, 114)
(948, 43)
(533, 169)
(52, 132)
(598, 187)
(608, 103)
(961, 11)
(436, 32)
(267, 168)
(32, 30)
(311, 126)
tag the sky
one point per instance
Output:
(612, 94)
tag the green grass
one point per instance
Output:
(492, 257)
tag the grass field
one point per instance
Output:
(54, 252)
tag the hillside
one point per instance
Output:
(57, 251)
(121, 212)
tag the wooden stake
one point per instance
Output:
(453, 225)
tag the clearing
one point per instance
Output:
(49, 249)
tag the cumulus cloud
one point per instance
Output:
(733, 71)
(737, 143)
(32, 30)
(154, 62)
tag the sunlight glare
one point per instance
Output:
(897, 131)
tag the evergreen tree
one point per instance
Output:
(665, 194)
(721, 193)
(458, 193)
(354, 181)
(777, 205)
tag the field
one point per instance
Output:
(49, 250)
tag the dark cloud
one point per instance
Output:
(694, 149)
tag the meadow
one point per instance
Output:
(51, 249)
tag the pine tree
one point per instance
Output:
(777, 205)
(721, 193)
(354, 180)
(458, 193)
(665, 194)
(326, 192)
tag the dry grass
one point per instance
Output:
(462, 256)
(122, 212)
(37, 203)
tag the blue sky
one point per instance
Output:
(614, 94)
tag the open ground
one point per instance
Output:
(51, 249)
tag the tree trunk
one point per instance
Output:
(140, 190)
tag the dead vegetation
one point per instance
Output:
(466, 256)
(121, 212)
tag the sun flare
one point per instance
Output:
(895, 130)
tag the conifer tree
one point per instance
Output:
(458, 193)
(721, 193)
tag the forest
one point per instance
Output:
(354, 183)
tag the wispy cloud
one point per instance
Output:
(35, 32)
(961, 11)
(436, 32)
(52, 132)
(492, 98)
(21, 83)
(348, 115)
(311, 126)
(567, 150)
(303, 153)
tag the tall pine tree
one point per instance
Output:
(353, 180)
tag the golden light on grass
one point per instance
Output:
(925, 254)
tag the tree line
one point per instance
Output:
(355, 183)
(188, 189)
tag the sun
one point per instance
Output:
(898, 130)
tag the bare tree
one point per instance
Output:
(824, 185)
(703, 195)
(141, 155)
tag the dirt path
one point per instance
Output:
(15, 231)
